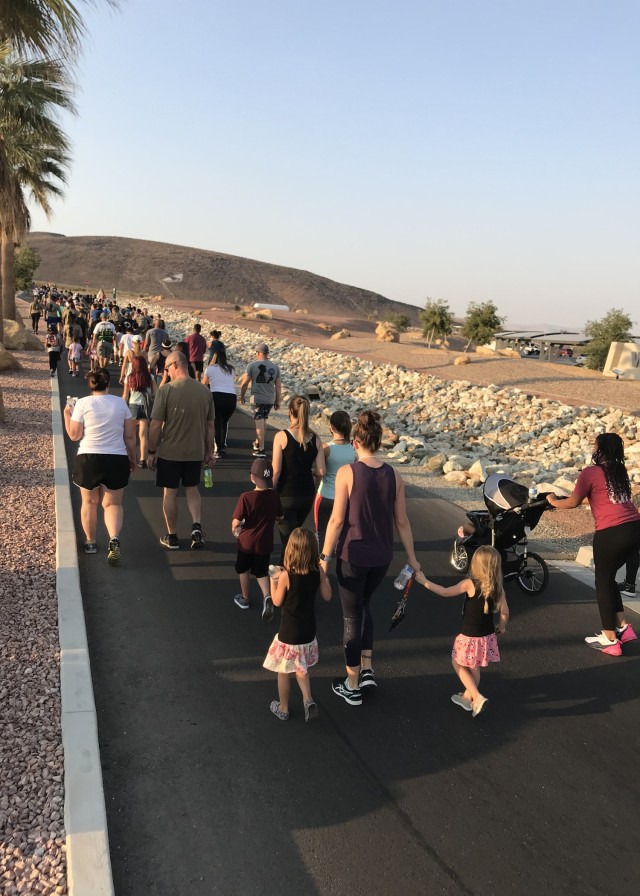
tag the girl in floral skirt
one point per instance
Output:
(476, 645)
(295, 648)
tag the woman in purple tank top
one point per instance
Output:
(369, 499)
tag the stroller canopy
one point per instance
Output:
(502, 493)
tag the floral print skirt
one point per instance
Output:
(291, 657)
(472, 652)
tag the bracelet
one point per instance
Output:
(151, 452)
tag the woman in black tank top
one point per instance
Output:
(297, 458)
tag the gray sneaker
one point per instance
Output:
(239, 601)
(113, 557)
(267, 608)
(461, 700)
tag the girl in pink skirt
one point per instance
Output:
(295, 648)
(477, 644)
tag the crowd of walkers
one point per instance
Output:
(174, 418)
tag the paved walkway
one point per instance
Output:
(207, 793)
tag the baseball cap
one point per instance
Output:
(136, 338)
(261, 469)
(263, 348)
(166, 343)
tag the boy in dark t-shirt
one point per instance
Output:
(254, 517)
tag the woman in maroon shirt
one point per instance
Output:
(369, 500)
(617, 535)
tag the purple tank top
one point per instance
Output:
(367, 534)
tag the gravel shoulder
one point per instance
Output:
(32, 845)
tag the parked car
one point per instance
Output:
(566, 352)
(530, 351)
(580, 360)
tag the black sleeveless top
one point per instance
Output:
(296, 478)
(475, 622)
(297, 616)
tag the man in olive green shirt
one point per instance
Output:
(181, 436)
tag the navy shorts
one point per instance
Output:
(256, 564)
(110, 470)
(170, 473)
(261, 411)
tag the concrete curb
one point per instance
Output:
(87, 842)
(586, 576)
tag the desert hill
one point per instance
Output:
(143, 266)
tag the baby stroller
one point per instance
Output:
(510, 516)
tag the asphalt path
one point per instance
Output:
(208, 793)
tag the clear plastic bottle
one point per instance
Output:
(238, 530)
(403, 577)
(533, 493)
(274, 571)
(207, 477)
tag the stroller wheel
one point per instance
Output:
(459, 557)
(533, 575)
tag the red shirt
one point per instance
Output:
(197, 346)
(592, 484)
(259, 509)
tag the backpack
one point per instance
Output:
(51, 340)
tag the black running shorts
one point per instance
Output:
(110, 470)
(169, 473)
(256, 564)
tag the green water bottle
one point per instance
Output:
(207, 477)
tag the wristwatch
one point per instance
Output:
(325, 557)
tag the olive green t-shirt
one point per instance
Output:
(185, 407)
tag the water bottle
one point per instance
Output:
(274, 571)
(71, 401)
(238, 530)
(403, 577)
(533, 493)
(207, 477)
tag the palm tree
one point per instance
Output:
(33, 149)
(45, 27)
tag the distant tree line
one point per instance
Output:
(482, 322)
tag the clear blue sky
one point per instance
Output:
(468, 150)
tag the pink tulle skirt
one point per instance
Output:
(472, 652)
(291, 657)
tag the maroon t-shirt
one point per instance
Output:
(259, 509)
(197, 346)
(592, 484)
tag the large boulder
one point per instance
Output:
(7, 360)
(435, 463)
(462, 359)
(386, 332)
(341, 334)
(18, 338)
(485, 350)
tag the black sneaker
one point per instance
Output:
(170, 541)
(367, 679)
(626, 588)
(259, 452)
(267, 608)
(342, 689)
(113, 557)
(197, 538)
(90, 547)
